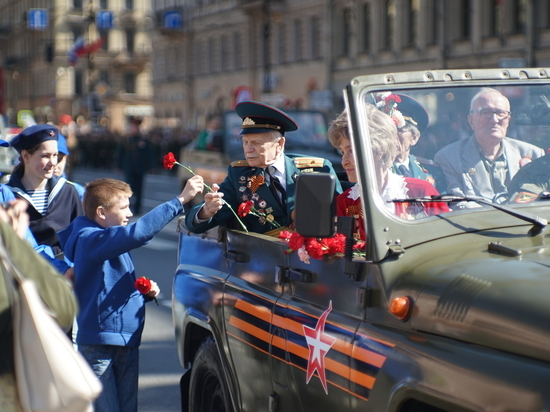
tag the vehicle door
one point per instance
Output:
(317, 316)
(249, 298)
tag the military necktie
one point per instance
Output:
(405, 171)
(276, 187)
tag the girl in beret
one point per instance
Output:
(53, 203)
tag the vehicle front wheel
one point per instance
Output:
(208, 390)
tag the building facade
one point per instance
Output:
(302, 53)
(89, 60)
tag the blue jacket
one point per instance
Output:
(112, 311)
(46, 251)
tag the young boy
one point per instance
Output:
(112, 312)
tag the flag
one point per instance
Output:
(80, 48)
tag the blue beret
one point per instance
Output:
(62, 145)
(413, 112)
(262, 118)
(33, 136)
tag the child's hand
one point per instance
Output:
(155, 290)
(193, 186)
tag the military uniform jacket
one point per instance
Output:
(245, 183)
(63, 206)
(464, 169)
(530, 181)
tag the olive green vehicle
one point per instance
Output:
(449, 312)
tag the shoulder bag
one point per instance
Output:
(51, 375)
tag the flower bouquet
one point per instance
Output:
(317, 248)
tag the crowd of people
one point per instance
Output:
(85, 234)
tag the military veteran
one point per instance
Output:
(485, 163)
(267, 176)
(415, 121)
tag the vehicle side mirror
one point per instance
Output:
(315, 205)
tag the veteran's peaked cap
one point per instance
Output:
(411, 109)
(262, 118)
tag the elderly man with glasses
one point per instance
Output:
(485, 163)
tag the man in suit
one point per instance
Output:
(485, 163)
(266, 178)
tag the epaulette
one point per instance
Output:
(303, 162)
(240, 163)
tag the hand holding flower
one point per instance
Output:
(147, 287)
(193, 186)
(212, 203)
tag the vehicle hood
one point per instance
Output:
(491, 299)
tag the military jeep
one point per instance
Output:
(444, 312)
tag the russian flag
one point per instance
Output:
(77, 50)
(80, 48)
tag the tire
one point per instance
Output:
(208, 390)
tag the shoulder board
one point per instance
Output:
(303, 162)
(239, 163)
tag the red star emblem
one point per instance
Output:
(319, 344)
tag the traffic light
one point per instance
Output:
(49, 52)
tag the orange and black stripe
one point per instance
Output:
(350, 367)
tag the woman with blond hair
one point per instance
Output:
(383, 139)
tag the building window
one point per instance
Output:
(365, 27)
(346, 32)
(238, 51)
(77, 4)
(464, 20)
(298, 40)
(129, 4)
(315, 25)
(281, 43)
(78, 83)
(212, 64)
(77, 32)
(198, 57)
(413, 14)
(130, 82)
(432, 22)
(543, 14)
(103, 4)
(518, 14)
(225, 61)
(104, 76)
(389, 25)
(130, 34)
(105, 36)
(492, 18)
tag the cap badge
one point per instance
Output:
(248, 121)
(52, 133)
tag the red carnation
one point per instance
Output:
(295, 241)
(315, 249)
(285, 235)
(169, 161)
(393, 98)
(336, 244)
(143, 285)
(244, 208)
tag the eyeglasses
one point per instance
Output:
(488, 113)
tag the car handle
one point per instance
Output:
(299, 275)
(236, 256)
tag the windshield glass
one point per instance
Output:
(461, 141)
